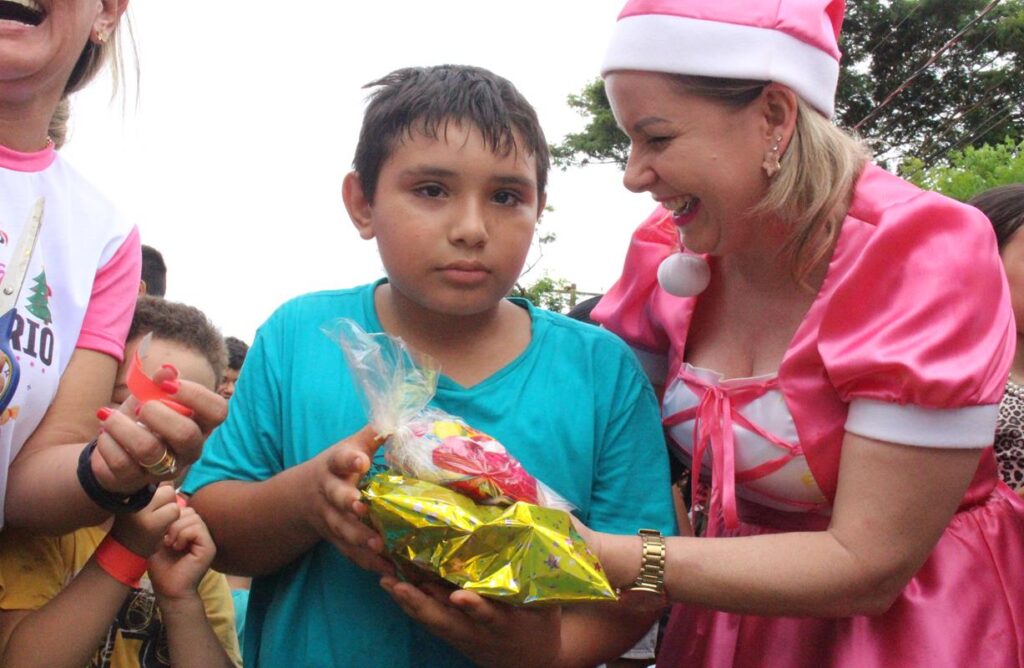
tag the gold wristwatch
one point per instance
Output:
(652, 565)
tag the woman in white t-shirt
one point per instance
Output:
(59, 468)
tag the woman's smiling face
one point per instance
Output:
(41, 40)
(697, 157)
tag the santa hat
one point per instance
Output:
(792, 42)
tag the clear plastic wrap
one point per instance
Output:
(426, 443)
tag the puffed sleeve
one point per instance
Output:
(918, 337)
(636, 308)
(626, 308)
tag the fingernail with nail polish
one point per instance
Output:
(170, 386)
(103, 413)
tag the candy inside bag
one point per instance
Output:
(425, 443)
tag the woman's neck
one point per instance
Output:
(25, 125)
(765, 267)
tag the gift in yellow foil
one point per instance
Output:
(519, 554)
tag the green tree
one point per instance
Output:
(38, 301)
(601, 140)
(553, 294)
(971, 95)
(970, 171)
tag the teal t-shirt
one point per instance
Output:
(574, 408)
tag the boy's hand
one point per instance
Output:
(183, 559)
(336, 511)
(488, 632)
(141, 532)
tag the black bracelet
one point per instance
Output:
(112, 503)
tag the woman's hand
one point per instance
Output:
(489, 633)
(183, 558)
(619, 556)
(138, 435)
(336, 512)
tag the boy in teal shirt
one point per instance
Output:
(449, 179)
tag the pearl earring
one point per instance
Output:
(683, 275)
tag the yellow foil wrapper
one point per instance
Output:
(520, 554)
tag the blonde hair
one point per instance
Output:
(814, 185)
(58, 130)
(91, 61)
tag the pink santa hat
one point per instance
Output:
(792, 42)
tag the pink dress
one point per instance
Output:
(909, 340)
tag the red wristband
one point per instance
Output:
(119, 562)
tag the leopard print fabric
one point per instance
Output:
(1009, 443)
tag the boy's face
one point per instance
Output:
(226, 388)
(453, 220)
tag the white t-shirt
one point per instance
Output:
(79, 291)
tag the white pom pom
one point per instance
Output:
(684, 275)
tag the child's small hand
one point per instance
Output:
(184, 557)
(336, 511)
(142, 532)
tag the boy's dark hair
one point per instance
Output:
(154, 271)
(181, 324)
(237, 350)
(427, 99)
(1004, 206)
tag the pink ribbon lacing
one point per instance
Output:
(714, 418)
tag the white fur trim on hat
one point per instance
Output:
(681, 45)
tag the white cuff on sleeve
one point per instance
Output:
(967, 427)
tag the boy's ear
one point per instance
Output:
(358, 206)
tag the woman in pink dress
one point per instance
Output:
(835, 343)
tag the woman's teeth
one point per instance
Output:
(681, 206)
(22, 11)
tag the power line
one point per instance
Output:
(969, 136)
(919, 93)
(949, 124)
(935, 56)
(871, 50)
(985, 126)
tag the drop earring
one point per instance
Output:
(771, 165)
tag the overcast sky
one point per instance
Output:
(247, 117)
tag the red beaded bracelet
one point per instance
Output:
(119, 562)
